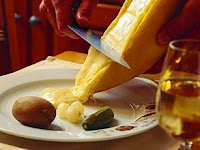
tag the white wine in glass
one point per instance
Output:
(178, 95)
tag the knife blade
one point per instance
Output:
(99, 44)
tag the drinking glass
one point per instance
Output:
(178, 94)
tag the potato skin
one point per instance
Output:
(33, 111)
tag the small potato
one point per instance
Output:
(33, 111)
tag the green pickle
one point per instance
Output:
(98, 120)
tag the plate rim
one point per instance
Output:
(72, 75)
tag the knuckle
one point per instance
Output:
(42, 7)
(61, 28)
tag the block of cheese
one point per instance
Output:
(132, 34)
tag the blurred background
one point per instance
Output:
(26, 36)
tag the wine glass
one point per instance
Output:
(178, 94)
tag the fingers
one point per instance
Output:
(63, 11)
(180, 25)
(193, 34)
(84, 12)
(47, 9)
(58, 13)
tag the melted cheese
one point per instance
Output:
(130, 35)
(117, 37)
(58, 96)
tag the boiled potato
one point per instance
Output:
(33, 111)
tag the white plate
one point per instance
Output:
(132, 103)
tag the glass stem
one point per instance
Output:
(186, 146)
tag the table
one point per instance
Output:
(154, 139)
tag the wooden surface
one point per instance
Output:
(4, 58)
(16, 52)
(72, 56)
(4, 53)
(20, 29)
(40, 37)
(1, 15)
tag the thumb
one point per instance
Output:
(84, 12)
(180, 25)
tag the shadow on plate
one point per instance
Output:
(53, 127)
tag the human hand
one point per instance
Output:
(59, 14)
(184, 25)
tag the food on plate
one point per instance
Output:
(67, 106)
(33, 111)
(133, 35)
(58, 96)
(99, 120)
(73, 113)
(61, 110)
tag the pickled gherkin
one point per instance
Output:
(98, 120)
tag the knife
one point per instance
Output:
(99, 44)
(94, 40)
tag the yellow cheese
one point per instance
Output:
(133, 35)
